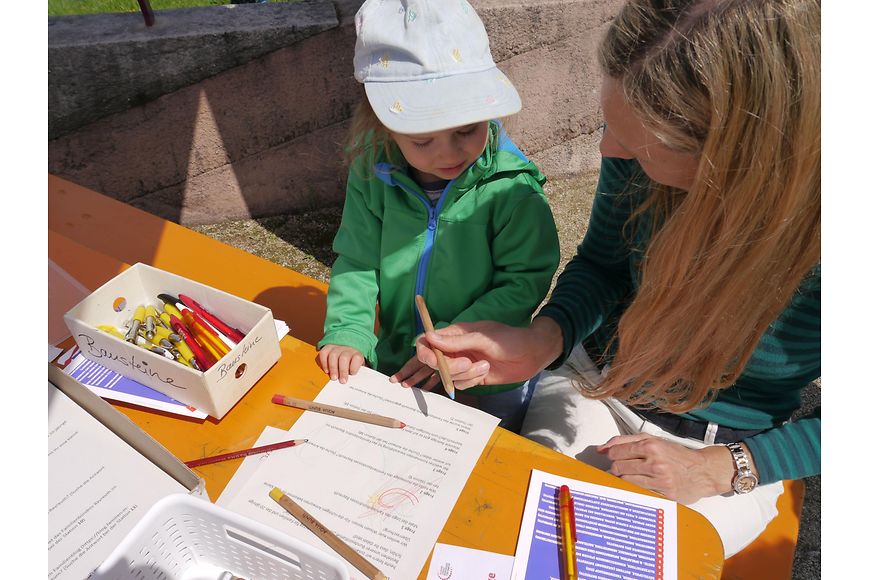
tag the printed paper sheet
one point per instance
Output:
(385, 492)
(98, 488)
(620, 534)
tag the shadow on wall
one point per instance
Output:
(259, 139)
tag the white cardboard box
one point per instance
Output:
(214, 391)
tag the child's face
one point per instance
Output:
(443, 154)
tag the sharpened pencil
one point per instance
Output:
(439, 356)
(244, 452)
(329, 538)
(338, 411)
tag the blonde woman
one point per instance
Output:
(679, 338)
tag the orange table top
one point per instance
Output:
(94, 238)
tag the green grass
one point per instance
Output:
(67, 7)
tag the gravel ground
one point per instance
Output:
(302, 241)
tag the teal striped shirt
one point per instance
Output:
(600, 281)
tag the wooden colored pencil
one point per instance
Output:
(244, 452)
(330, 539)
(439, 356)
(338, 411)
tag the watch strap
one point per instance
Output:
(739, 456)
(744, 479)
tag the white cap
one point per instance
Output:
(427, 67)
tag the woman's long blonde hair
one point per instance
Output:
(736, 82)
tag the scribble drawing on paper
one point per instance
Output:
(395, 498)
(391, 500)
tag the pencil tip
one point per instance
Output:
(402, 425)
(452, 396)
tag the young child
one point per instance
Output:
(439, 201)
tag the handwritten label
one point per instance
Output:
(131, 362)
(226, 367)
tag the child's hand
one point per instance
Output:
(415, 372)
(339, 361)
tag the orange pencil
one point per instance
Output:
(206, 340)
(568, 525)
(213, 335)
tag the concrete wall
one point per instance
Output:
(263, 137)
(106, 63)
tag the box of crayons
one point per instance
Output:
(194, 343)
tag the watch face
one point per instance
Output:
(745, 482)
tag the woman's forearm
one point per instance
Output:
(546, 341)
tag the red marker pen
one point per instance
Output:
(203, 358)
(230, 332)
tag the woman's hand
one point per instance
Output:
(415, 372)
(491, 353)
(678, 473)
(340, 361)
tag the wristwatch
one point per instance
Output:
(744, 480)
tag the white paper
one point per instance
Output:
(116, 387)
(385, 492)
(251, 462)
(282, 329)
(456, 562)
(53, 351)
(98, 488)
(620, 534)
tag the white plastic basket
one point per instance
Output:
(185, 538)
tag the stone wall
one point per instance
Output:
(106, 63)
(204, 139)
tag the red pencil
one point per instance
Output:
(244, 452)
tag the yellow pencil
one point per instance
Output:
(330, 539)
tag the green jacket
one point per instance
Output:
(486, 251)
